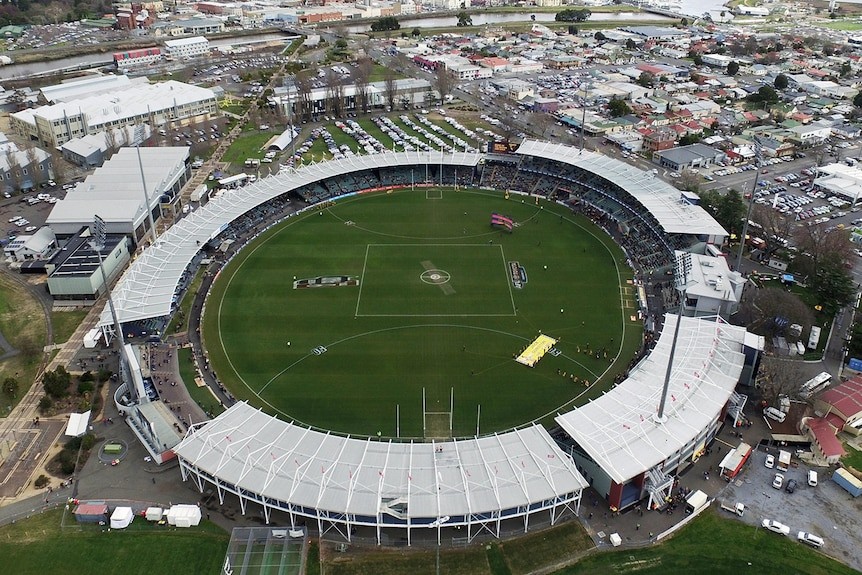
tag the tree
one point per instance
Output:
(444, 82)
(361, 79)
(14, 168)
(696, 58)
(334, 93)
(33, 162)
(390, 87)
(573, 30)
(732, 68)
(781, 82)
(580, 15)
(385, 24)
(728, 209)
(833, 285)
(304, 85)
(464, 19)
(689, 180)
(845, 69)
(778, 377)
(416, 32)
(774, 225)
(690, 138)
(56, 382)
(646, 79)
(599, 36)
(630, 44)
(818, 244)
(857, 100)
(10, 387)
(618, 108)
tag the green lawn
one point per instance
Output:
(247, 145)
(714, 545)
(345, 358)
(845, 25)
(174, 326)
(39, 546)
(853, 457)
(65, 323)
(200, 395)
(22, 323)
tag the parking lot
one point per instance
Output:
(826, 510)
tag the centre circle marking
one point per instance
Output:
(435, 277)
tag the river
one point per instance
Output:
(93, 60)
(481, 19)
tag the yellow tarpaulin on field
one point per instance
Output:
(536, 350)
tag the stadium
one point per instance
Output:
(490, 484)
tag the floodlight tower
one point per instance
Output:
(146, 197)
(683, 267)
(99, 233)
(758, 159)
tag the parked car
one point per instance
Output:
(776, 527)
(770, 461)
(810, 539)
(778, 481)
(791, 486)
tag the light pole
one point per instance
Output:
(758, 151)
(99, 233)
(683, 266)
(146, 197)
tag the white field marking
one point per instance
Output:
(374, 332)
(361, 282)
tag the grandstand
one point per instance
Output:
(394, 488)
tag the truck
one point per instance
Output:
(734, 461)
(848, 482)
(695, 501)
(736, 508)
(783, 460)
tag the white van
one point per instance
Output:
(812, 478)
(775, 414)
(810, 539)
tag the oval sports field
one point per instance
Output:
(345, 316)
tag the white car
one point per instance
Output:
(778, 481)
(770, 461)
(30, 229)
(810, 539)
(776, 527)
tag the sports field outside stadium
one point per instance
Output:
(340, 317)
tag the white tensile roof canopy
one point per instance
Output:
(619, 430)
(660, 198)
(319, 470)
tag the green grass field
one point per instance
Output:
(39, 546)
(435, 309)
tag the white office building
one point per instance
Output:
(185, 48)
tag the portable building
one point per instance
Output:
(122, 517)
(91, 513)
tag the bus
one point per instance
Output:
(233, 181)
(814, 384)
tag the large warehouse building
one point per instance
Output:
(116, 192)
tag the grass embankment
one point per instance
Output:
(22, 323)
(64, 323)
